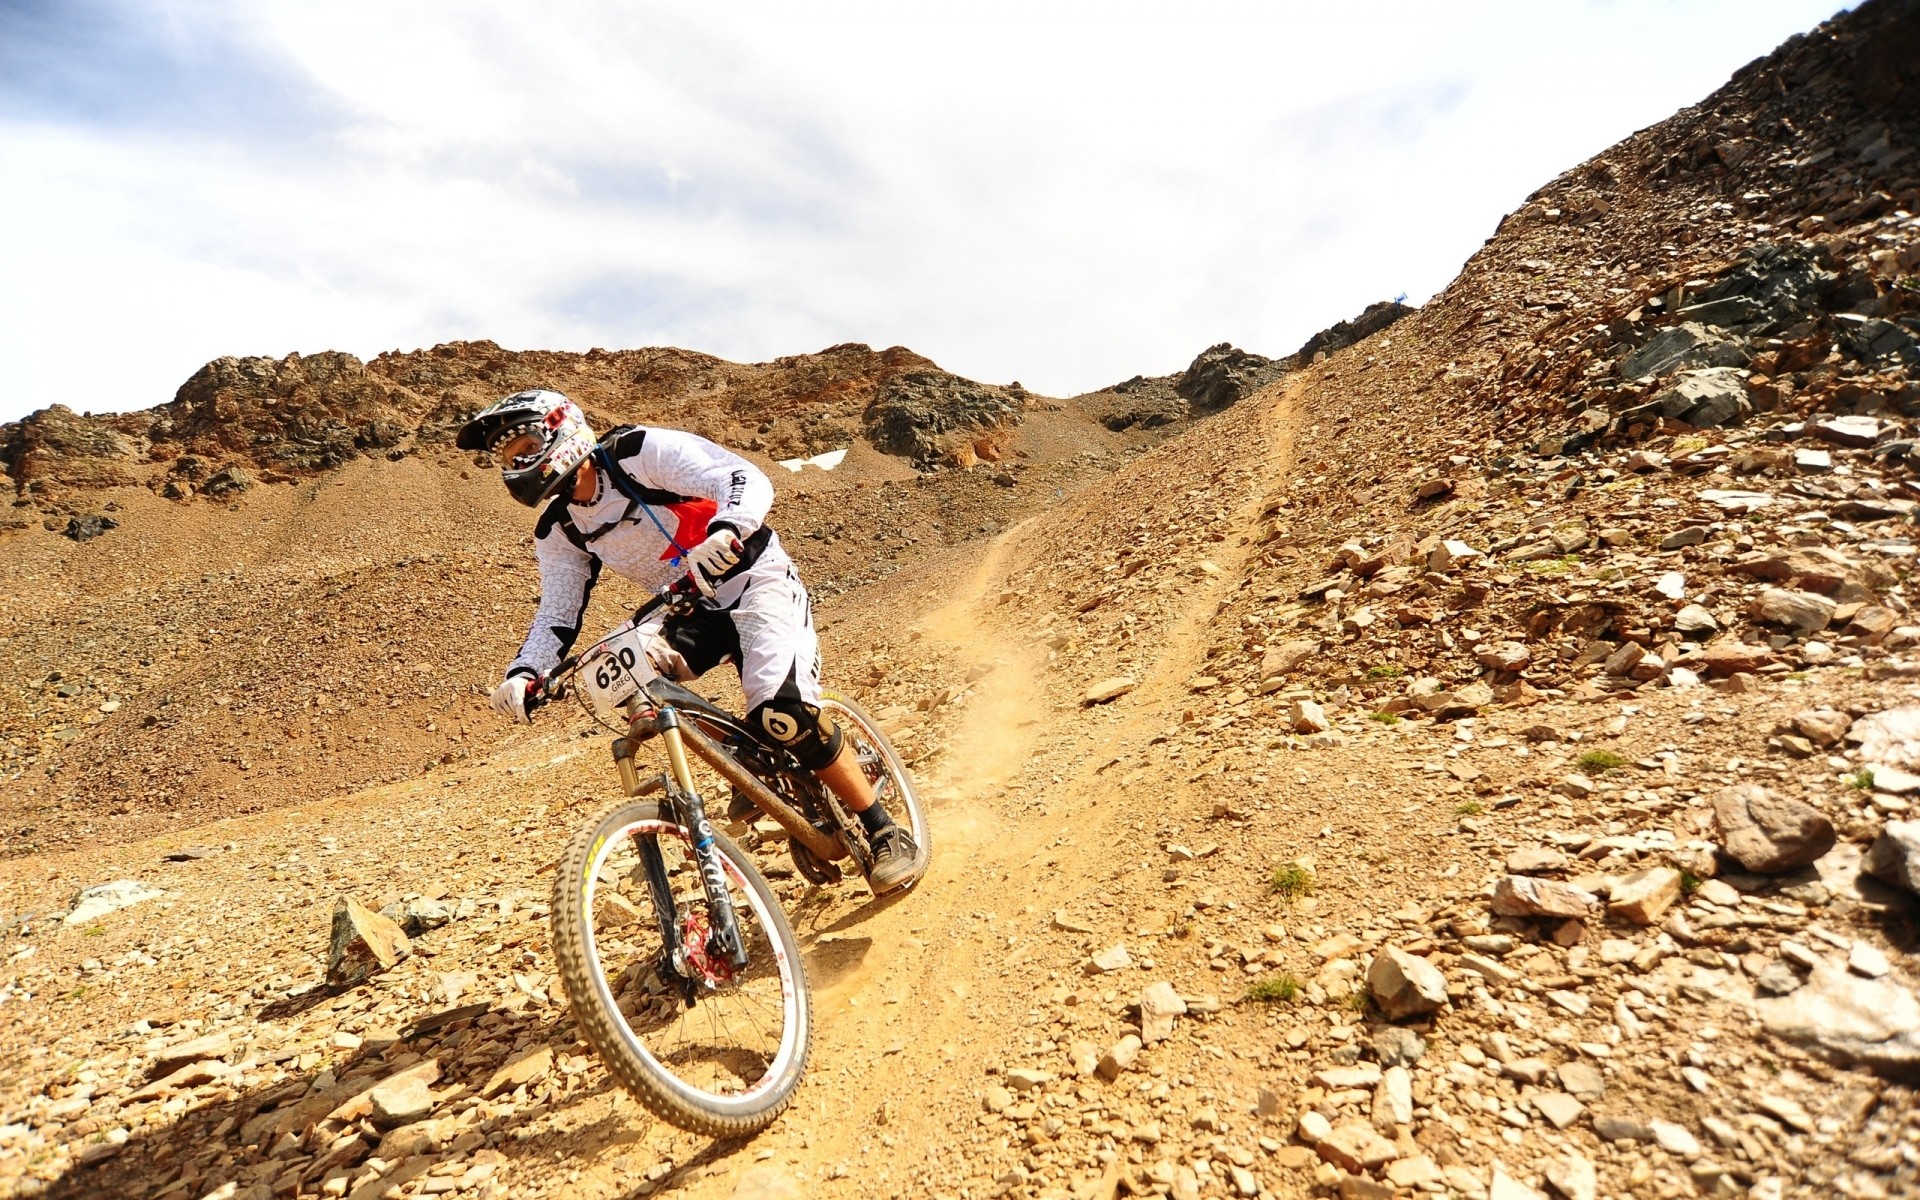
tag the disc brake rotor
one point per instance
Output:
(710, 971)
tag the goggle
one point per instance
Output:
(520, 449)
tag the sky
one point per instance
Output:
(1064, 194)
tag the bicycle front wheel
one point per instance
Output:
(708, 1047)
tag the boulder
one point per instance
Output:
(1821, 726)
(1341, 334)
(1644, 895)
(97, 901)
(1707, 398)
(1119, 1058)
(1159, 1005)
(406, 1097)
(1305, 716)
(416, 916)
(213, 1047)
(1853, 432)
(1287, 656)
(530, 1067)
(1771, 286)
(1222, 374)
(1890, 737)
(363, 943)
(1802, 612)
(1696, 622)
(1689, 344)
(1109, 689)
(1405, 985)
(1895, 855)
(1873, 1023)
(86, 528)
(1735, 658)
(1768, 833)
(1524, 896)
(1354, 1146)
(923, 415)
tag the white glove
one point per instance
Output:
(713, 558)
(510, 699)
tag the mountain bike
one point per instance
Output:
(683, 973)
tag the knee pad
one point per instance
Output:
(807, 733)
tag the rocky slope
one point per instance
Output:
(1478, 763)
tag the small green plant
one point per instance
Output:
(1356, 1001)
(1468, 808)
(1386, 671)
(1689, 882)
(1599, 762)
(1862, 779)
(1274, 989)
(1385, 718)
(1183, 928)
(1797, 676)
(1554, 566)
(1290, 881)
(96, 931)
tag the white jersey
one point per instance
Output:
(673, 486)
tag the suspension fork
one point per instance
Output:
(723, 939)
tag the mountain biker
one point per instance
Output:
(656, 505)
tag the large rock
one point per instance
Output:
(213, 1047)
(1341, 334)
(1715, 396)
(1890, 738)
(1895, 855)
(1873, 1023)
(1305, 716)
(1689, 344)
(1223, 374)
(924, 415)
(1768, 833)
(1284, 658)
(1159, 1005)
(1644, 895)
(1524, 896)
(1769, 288)
(363, 942)
(1802, 612)
(1354, 1146)
(1405, 985)
(97, 901)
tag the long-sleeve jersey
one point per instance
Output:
(677, 484)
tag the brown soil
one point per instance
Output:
(296, 680)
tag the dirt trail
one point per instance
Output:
(1025, 821)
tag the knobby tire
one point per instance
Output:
(590, 984)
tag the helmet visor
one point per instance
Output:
(520, 449)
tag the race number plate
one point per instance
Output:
(613, 670)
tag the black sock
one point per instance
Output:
(875, 818)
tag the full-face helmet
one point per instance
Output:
(536, 437)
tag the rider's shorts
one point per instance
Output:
(769, 632)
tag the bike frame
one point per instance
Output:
(662, 708)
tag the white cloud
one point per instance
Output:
(1066, 194)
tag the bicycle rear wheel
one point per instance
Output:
(706, 1047)
(881, 762)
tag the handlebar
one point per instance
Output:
(553, 685)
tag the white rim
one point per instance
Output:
(865, 729)
(740, 1103)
